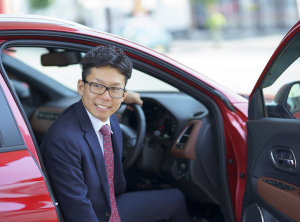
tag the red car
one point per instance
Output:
(233, 159)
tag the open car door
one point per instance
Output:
(273, 133)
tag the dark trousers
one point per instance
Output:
(153, 206)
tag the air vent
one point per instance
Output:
(47, 116)
(184, 137)
(198, 114)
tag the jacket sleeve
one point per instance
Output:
(63, 162)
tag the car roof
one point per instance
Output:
(22, 18)
(43, 23)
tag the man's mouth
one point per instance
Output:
(101, 106)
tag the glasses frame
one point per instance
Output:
(106, 88)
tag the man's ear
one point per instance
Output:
(80, 87)
(124, 96)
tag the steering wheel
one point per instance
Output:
(133, 141)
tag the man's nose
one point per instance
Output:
(106, 95)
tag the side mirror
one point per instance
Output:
(286, 103)
(293, 101)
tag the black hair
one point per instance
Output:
(106, 56)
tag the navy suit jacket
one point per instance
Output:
(76, 167)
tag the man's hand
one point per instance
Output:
(132, 97)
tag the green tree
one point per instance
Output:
(206, 2)
(40, 4)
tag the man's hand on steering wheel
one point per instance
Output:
(132, 97)
(133, 139)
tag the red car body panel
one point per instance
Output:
(234, 121)
(24, 195)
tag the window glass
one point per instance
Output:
(292, 73)
(9, 132)
(142, 82)
(69, 75)
(65, 75)
(281, 85)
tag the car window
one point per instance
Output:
(69, 75)
(21, 88)
(9, 133)
(280, 87)
(141, 82)
(65, 75)
(289, 75)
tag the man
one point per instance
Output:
(82, 151)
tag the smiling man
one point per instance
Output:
(82, 151)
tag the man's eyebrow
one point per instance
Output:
(101, 82)
(98, 80)
(116, 84)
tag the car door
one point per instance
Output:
(24, 194)
(273, 136)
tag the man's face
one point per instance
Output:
(102, 106)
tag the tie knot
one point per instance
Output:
(105, 130)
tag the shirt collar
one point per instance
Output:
(97, 123)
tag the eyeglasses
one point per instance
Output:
(99, 89)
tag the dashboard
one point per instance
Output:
(179, 148)
(159, 122)
(166, 114)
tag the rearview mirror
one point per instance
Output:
(61, 58)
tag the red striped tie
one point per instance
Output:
(109, 162)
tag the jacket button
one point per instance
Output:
(107, 214)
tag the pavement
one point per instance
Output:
(236, 64)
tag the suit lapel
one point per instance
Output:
(94, 145)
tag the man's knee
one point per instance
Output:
(178, 205)
(177, 198)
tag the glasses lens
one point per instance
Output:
(96, 88)
(113, 92)
(116, 92)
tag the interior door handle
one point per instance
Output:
(286, 162)
(283, 158)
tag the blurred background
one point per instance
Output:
(230, 41)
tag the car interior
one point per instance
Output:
(176, 146)
(272, 187)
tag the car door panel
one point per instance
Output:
(266, 135)
(286, 199)
(273, 177)
(24, 194)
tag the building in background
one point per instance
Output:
(259, 16)
(158, 18)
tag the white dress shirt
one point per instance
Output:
(97, 124)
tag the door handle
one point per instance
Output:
(286, 162)
(283, 158)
